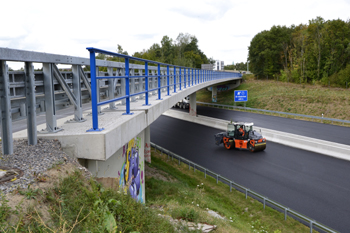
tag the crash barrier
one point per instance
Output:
(275, 112)
(313, 224)
(194, 77)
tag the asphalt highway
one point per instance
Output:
(310, 183)
(326, 132)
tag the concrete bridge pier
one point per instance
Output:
(214, 94)
(193, 105)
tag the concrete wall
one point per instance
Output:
(126, 165)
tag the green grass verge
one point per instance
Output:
(192, 194)
(273, 95)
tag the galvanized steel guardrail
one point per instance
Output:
(276, 112)
(266, 201)
(194, 77)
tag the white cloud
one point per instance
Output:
(224, 28)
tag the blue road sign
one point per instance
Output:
(241, 96)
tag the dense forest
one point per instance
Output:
(183, 51)
(315, 52)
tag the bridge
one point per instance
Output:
(125, 100)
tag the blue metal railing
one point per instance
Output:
(198, 76)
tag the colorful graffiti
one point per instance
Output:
(131, 177)
(147, 152)
(214, 100)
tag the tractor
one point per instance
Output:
(241, 135)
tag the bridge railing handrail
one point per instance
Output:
(195, 77)
(275, 112)
(273, 204)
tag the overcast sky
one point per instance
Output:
(224, 29)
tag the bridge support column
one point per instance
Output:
(214, 94)
(125, 169)
(193, 105)
(148, 144)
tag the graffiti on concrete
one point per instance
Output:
(132, 175)
(223, 88)
(148, 152)
(214, 100)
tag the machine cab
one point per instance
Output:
(239, 130)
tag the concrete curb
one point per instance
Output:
(333, 149)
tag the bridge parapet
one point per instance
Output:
(24, 94)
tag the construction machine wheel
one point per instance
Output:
(227, 143)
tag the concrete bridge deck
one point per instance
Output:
(118, 130)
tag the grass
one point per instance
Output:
(273, 95)
(190, 197)
(76, 204)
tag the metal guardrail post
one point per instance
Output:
(264, 199)
(217, 178)
(94, 106)
(168, 81)
(127, 88)
(174, 79)
(146, 84)
(159, 90)
(285, 213)
(78, 108)
(192, 77)
(180, 78)
(30, 103)
(205, 173)
(50, 108)
(5, 110)
(230, 186)
(184, 78)
(132, 85)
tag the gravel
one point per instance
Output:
(33, 161)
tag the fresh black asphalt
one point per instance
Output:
(326, 132)
(310, 183)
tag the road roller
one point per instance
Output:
(241, 135)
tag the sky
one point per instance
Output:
(224, 29)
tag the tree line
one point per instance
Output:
(237, 66)
(183, 51)
(315, 52)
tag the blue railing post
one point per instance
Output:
(168, 74)
(174, 79)
(180, 77)
(159, 89)
(127, 87)
(184, 78)
(93, 92)
(146, 84)
(189, 77)
(192, 77)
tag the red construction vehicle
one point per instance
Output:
(241, 135)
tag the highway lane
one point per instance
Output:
(326, 132)
(310, 183)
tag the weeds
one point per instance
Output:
(30, 193)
